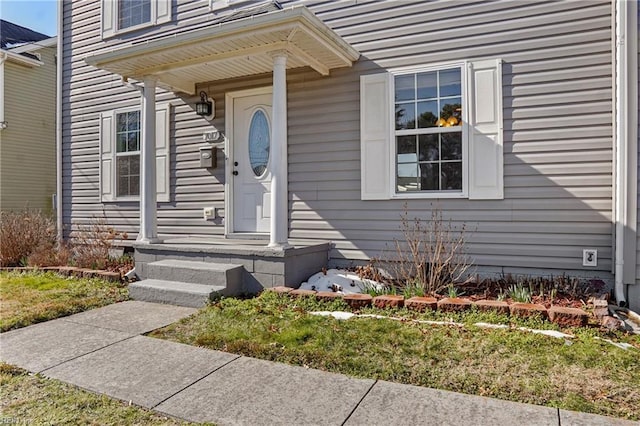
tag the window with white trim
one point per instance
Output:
(428, 130)
(432, 132)
(128, 154)
(120, 143)
(120, 16)
(133, 12)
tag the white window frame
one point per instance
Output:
(117, 154)
(393, 166)
(114, 6)
(215, 5)
(108, 163)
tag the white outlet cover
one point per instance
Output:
(207, 212)
(589, 257)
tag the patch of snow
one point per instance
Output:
(621, 345)
(551, 333)
(335, 314)
(489, 325)
(339, 281)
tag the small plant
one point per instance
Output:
(374, 289)
(452, 292)
(519, 293)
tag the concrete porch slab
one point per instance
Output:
(142, 370)
(255, 392)
(41, 346)
(395, 404)
(134, 317)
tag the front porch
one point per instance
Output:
(232, 266)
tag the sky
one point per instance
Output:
(37, 15)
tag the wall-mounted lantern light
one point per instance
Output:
(205, 106)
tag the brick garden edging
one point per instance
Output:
(70, 271)
(566, 317)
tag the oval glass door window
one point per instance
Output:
(259, 143)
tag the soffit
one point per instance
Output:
(232, 49)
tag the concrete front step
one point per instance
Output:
(197, 272)
(173, 292)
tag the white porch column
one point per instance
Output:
(148, 206)
(279, 195)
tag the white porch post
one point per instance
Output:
(148, 207)
(279, 195)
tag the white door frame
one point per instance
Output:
(229, 149)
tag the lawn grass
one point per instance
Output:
(33, 399)
(582, 374)
(29, 298)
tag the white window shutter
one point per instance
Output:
(107, 156)
(486, 158)
(163, 11)
(163, 116)
(375, 131)
(108, 18)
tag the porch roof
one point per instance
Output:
(231, 49)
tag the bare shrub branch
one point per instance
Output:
(431, 254)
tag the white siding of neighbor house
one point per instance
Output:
(557, 79)
(28, 144)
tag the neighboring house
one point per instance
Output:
(27, 118)
(513, 117)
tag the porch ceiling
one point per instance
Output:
(231, 49)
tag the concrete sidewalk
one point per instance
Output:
(103, 350)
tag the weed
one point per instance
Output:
(519, 293)
(452, 291)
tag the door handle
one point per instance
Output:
(235, 173)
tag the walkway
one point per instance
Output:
(104, 351)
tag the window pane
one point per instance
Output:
(407, 149)
(405, 87)
(427, 85)
(134, 165)
(134, 185)
(123, 186)
(133, 120)
(452, 176)
(429, 148)
(405, 116)
(450, 83)
(452, 146)
(133, 12)
(407, 179)
(451, 112)
(133, 142)
(121, 122)
(121, 142)
(429, 177)
(259, 143)
(123, 166)
(427, 114)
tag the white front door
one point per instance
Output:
(251, 174)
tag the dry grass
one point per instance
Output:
(35, 297)
(29, 399)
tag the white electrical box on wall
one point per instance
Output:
(208, 213)
(589, 257)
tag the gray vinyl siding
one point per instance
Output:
(557, 95)
(28, 144)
